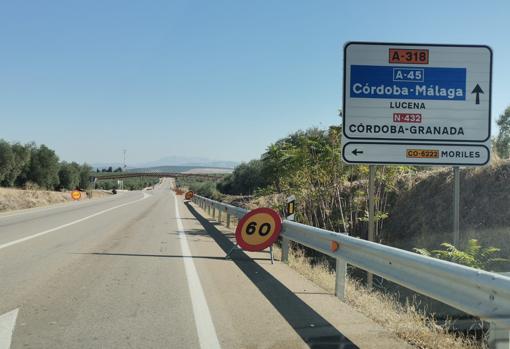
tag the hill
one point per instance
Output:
(182, 169)
(422, 216)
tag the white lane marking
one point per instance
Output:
(203, 321)
(8, 244)
(7, 323)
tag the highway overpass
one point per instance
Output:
(122, 175)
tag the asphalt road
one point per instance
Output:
(142, 270)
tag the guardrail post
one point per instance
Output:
(285, 250)
(341, 272)
(228, 220)
(498, 337)
(213, 211)
(209, 209)
(219, 215)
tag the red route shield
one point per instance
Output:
(258, 229)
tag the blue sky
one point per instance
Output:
(216, 79)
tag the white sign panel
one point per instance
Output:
(403, 94)
(417, 153)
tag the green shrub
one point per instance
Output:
(474, 255)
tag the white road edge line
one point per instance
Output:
(203, 321)
(12, 243)
(7, 323)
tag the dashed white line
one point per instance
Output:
(12, 243)
(203, 321)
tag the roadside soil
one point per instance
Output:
(17, 199)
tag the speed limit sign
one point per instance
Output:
(258, 229)
(75, 195)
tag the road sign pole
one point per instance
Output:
(290, 213)
(456, 206)
(371, 213)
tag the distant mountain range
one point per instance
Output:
(183, 169)
(174, 161)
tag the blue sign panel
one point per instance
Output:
(395, 82)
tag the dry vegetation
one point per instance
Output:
(406, 321)
(17, 199)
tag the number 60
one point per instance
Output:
(264, 228)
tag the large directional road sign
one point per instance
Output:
(417, 104)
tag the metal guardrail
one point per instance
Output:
(476, 292)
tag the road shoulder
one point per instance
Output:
(315, 315)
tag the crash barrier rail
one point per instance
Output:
(476, 292)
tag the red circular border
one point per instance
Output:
(278, 227)
(72, 195)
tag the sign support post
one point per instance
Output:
(371, 214)
(456, 206)
(290, 210)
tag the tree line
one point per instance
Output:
(330, 193)
(28, 165)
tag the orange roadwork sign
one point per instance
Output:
(75, 195)
(258, 229)
(188, 195)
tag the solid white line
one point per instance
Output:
(203, 321)
(9, 244)
(7, 323)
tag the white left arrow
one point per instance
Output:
(7, 323)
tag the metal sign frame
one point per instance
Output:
(432, 141)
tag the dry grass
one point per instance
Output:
(405, 320)
(17, 199)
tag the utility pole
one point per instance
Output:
(124, 151)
